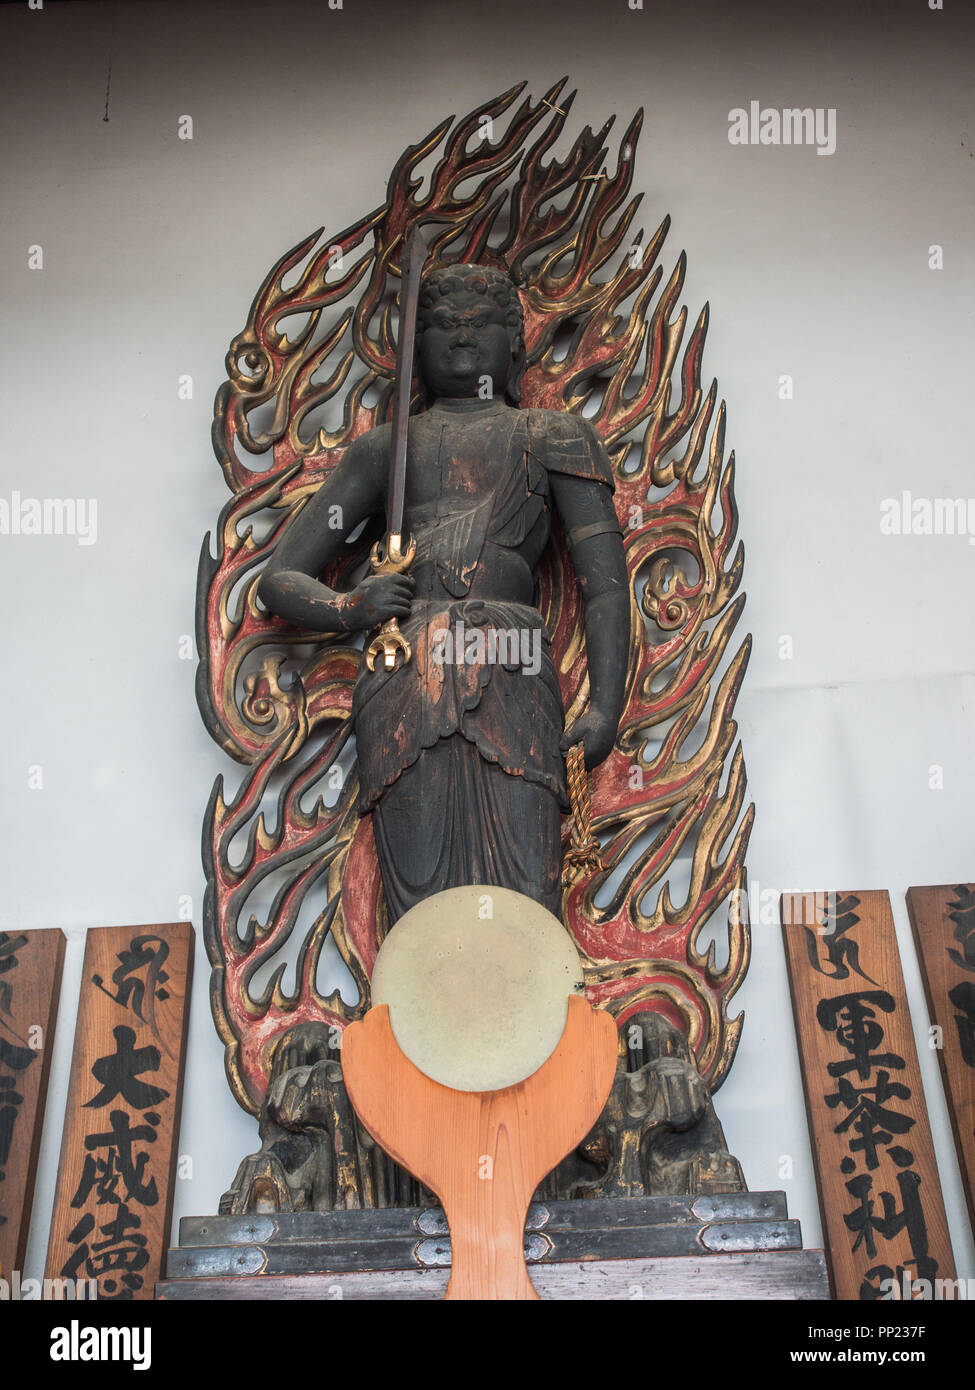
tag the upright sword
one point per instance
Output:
(390, 557)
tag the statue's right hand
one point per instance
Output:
(378, 598)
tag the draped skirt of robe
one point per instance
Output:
(459, 757)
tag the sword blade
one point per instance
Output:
(414, 256)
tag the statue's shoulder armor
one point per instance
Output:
(567, 443)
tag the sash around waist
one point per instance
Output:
(480, 668)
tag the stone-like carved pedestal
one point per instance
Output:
(730, 1246)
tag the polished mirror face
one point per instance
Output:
(466, 347)
(478, 1002)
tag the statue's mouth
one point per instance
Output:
(462, 360)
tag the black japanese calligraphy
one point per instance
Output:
(133, 989)
(9, 946)
(119, 1073)
(841, 952)
(14, 1058)
(871, 1123)
(116, 1171)
(963, 998)
(962, 913)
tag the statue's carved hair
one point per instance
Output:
(443, 281)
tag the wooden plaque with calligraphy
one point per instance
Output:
(114, 1199)
(31, 963)
(879, 1193)
(943, 920)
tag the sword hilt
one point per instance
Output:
(393, 559)
(389, 641)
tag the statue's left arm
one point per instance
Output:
(585, 503)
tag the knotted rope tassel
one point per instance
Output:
(582, 856)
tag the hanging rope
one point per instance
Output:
(582, 856)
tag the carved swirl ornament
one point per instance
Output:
(604, 335)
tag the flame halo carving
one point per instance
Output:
(604, 335)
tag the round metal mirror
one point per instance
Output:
(477, 980)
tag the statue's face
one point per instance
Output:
(465, 339)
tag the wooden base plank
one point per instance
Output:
(293, 1257)
(385, 1223)
(773, 1275)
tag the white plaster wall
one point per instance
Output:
(814, 266)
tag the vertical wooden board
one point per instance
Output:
(31, 963)
(943, 921)
(114, 1200)
(879, 1192)
(482, 1152)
